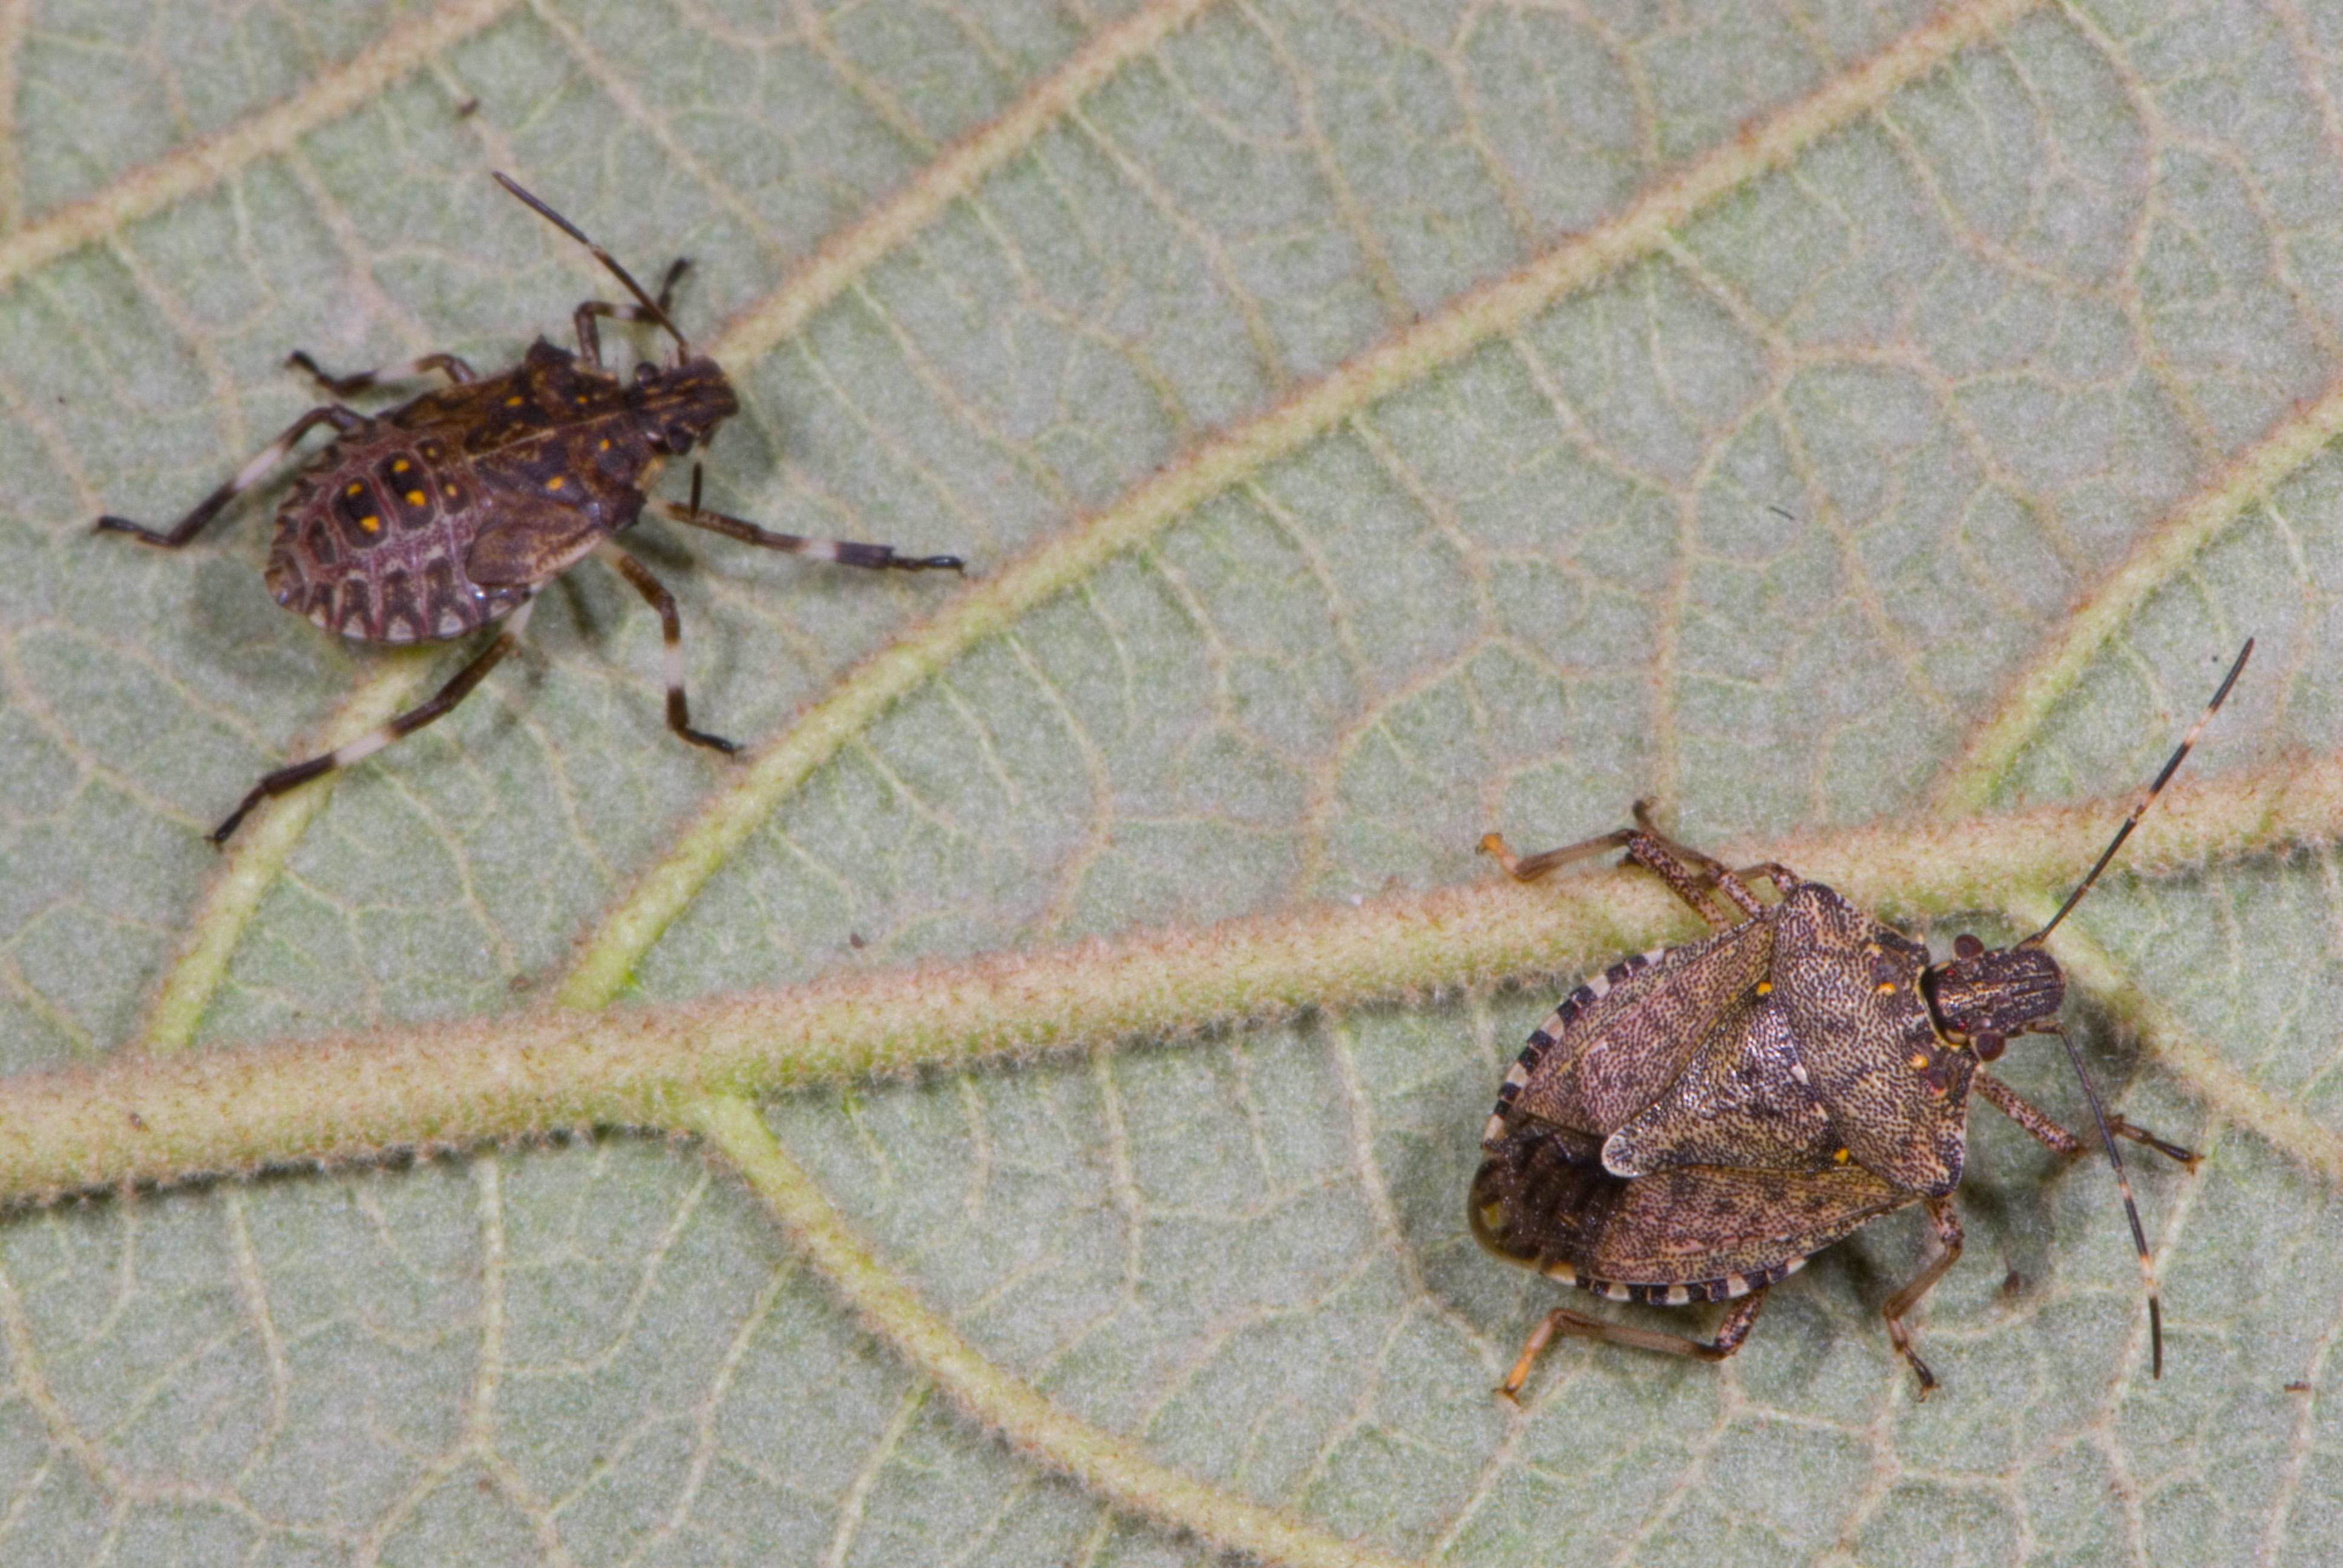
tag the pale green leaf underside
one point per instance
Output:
(1859, 485)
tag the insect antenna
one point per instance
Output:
(2123, 1185)
(2147, 799)
(2090, 1093)
(651, 308)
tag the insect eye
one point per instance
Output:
(679, 438)
(645, 370)
(1966, 947)
(1988, 1047)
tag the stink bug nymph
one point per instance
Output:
(1694, 1122)
(452, 511)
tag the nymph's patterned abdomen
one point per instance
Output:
(372, 541)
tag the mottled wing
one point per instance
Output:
(1850, 990)
(1618, 1042)
(1694, 1232)
(1701, 1225)
(1744, 1101)
(533, 537)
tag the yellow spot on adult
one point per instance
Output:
(555, 482)
(1764, 988)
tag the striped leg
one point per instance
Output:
(251, 474)
(655, 594)
(1730, 1332)
(458, 687)
(1948, 1233)
(589, 339)
(878, 557)
(344, 385)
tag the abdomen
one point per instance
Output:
(371, 542)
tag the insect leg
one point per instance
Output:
(842, 551)
(1731, 1330)
(1784, 880)
(589, 339)
(654, 592)
(458, 687)
(453, 369)
(1948, 1233)
(1530, 867)
(2007, 1101)
(2179, 1153)
(251, 474)
(1650, 846)
(1647, 847)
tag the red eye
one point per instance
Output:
(1966, 947)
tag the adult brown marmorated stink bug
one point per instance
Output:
(450, 512)
(1694, 1122)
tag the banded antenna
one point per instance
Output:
(652, 309)
(2074, 1055)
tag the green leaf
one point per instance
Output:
(1868, 429)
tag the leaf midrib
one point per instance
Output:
(148, 1119)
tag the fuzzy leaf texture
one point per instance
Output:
(1867, 427)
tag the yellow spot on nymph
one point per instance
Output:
(554, 482)
(603, 445)
(1764, 988)
(415, 498)
(370, 523)
(514, 401)
(354, 490)
(401, 465)
(1841, 1155)
(449, 491)
(1917, 1059)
